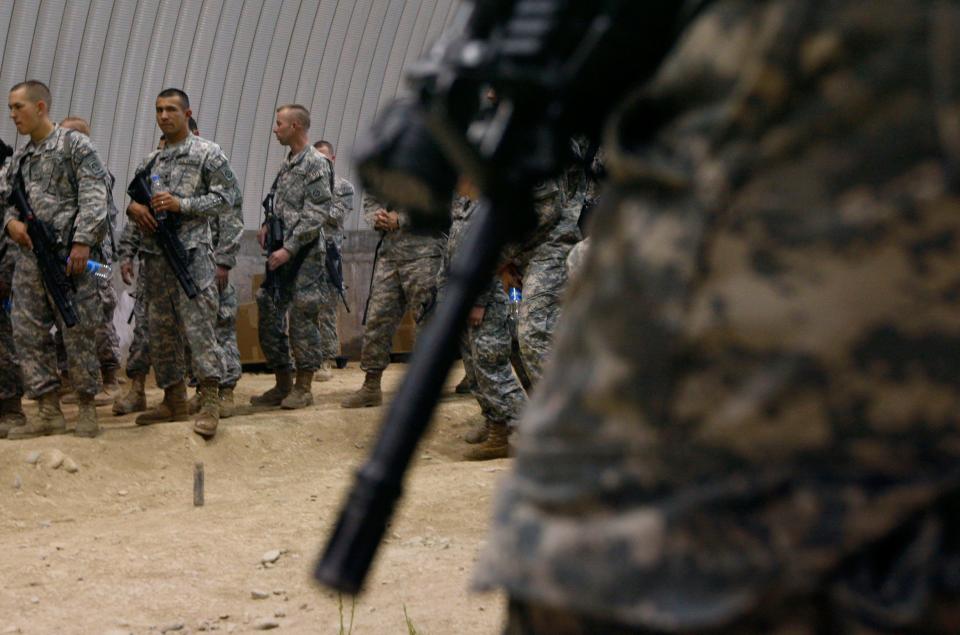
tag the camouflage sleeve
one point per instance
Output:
(92, 202)
(228, 237)
(222, 190)
(370, 206)
(317, 202)
(9, 212)
(129, 242)
(343, 202)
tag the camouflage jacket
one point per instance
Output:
(556, 230)
(303, 200)
(754, 376)
(66, 184)
(401, 244)
(342, 207)
(197, 172)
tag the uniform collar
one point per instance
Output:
(181, 148)
(291, 161)
(49, 141)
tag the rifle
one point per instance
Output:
(50, 252)
(549, 62)
(140, 191)
(274, 280)
(373, 272)
(334, 263)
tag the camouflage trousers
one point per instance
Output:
(330, 299)
(297, 310)
(486, 361)
(397, 286)
(108, 344)
(543, 285)
(226, 329)
(11, 384)
(34, 315)
(138, 355)
(173, 319)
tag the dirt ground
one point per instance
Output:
(118, 547)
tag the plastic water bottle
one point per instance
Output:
(100, 270)
(516, 297)
(155, 185)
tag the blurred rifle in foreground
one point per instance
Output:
(550, 64)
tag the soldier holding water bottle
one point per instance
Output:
(192, 180)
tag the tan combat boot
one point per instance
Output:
(172, 408)
(11, 415)
(479, 433)
(323, 373)
(193, 404)
(495, 446)
(280, 390)
(48, 421)
(369, 393)
(135, 400)
(205, 423)
(87, 416)
(300, 396)
(111, 387)
(227, 405)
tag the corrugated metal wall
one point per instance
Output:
(105, 61)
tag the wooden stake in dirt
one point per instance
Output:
(198, 484)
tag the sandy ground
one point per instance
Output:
(117, 547)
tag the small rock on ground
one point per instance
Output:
(271, 556)
(266, 624)
(257, 594)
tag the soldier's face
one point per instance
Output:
(284, 128)
(26, 114)
(171, 116)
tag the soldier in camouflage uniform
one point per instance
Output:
(65, 182)
(196, 184)
(303, 200)
(540, 263)
(138, 355)
(486, 341)
(750, 421)
(404, 276)
(11, 384)
(343, 192)
(108, 344)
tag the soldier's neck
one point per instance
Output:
(177, 138)
(296, 147)
(42, 131)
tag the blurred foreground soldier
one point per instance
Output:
(343, 192)
(750, 421)
(303, 201)
(194, 183)
(65, 183)
(404, 276)
(486, 341)
(108, 344)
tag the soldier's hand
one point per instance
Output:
(262, 236)
(140, 214)
(475, 318)
(18, 234)
(278, 258)
(165, 202)
(223, 277)
(386, 221)
(126, 271)
(77, 260)
(511, 276)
